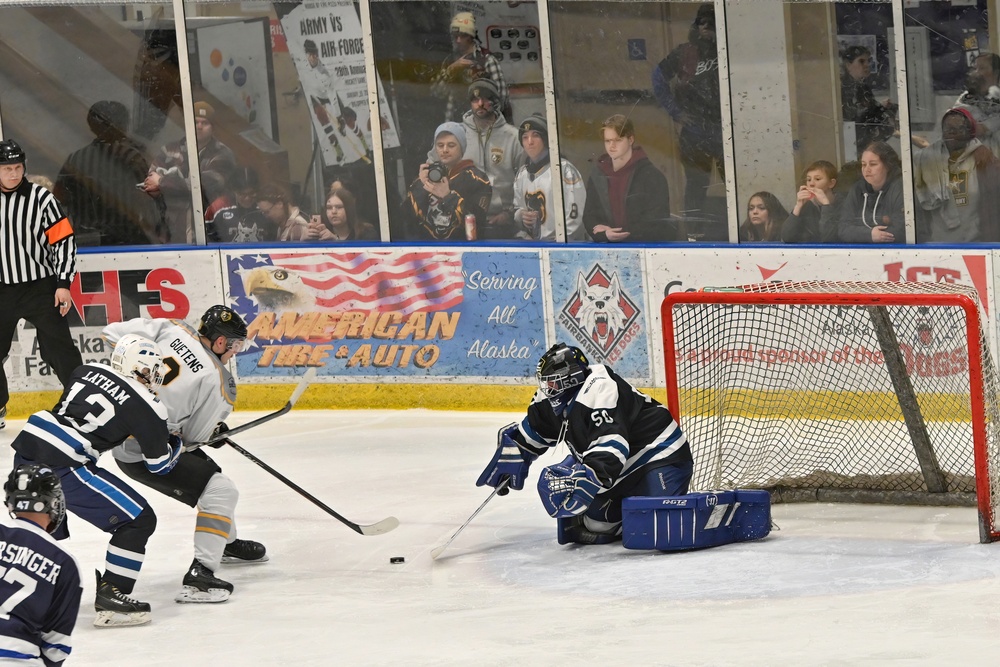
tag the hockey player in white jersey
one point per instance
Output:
(199, 393)
(621, 442)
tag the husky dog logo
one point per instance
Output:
(925, 329)
(601, 312)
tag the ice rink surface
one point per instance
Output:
(836, 585)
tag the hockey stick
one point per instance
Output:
(236, 430)
(437, 551)
(383, 526)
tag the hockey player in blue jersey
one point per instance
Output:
(621, 443)
(99, 409)
(41, 584)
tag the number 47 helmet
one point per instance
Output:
(35, 488)
(560, 373)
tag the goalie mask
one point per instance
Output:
(223, 321)
(560, 373)
(35, 488)
(139, 358)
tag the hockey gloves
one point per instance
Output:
(220, 428)
(509, 462)
(567, 488)
(166, 463)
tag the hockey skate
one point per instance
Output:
(244, 551)
(201, 585)
(115, 609)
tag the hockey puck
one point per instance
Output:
(395, 560)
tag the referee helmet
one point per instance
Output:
(11, 152)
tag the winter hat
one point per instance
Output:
(464, 22)
(536, 123)
(203, 110)
(964, 111)
(705, 12)
(454, 129)
(485, 88)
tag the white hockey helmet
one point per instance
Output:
(138, 357)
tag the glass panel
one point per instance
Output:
(89, 93)
(654, 65)
(814, 82)
(951, 64)
(429, 55)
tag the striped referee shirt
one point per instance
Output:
(36, 238)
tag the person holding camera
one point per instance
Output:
(447, 191)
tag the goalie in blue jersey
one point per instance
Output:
(621, 442)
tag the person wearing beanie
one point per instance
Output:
(492, 144)
(448, 188)
(628, 200)
(534, 216)
(468, 61)
(97, 184)
(956, 181)
(686, 84)
(169, 174)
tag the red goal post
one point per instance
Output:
(838, 391)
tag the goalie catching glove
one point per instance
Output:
(509, 462)
(567, 488)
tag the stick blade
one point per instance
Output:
(437, 551)
(380, 528)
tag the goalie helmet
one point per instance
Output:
(223, 321)
(35, 488)
(139, 358)
(560, 373)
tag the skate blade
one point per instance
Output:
(233, 560)
(192, 594)
(117, 619)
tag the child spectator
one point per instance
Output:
(274, 202)
(339, 221)
(814, 217)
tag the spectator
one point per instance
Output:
(97, 183)
(533, 187)
(274, 202)
(686, 84)
(37, 266)
(169, 173)
(627, 196)
(447, 190)
(340, 222)
(873, 121)
(765, 216)
(983, 93)
(873, 209)
(492, 144)
(814, 217)
(957, 182)
(468, 61)
(243, 221)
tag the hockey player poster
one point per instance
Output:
(406, 313)
(324, 40)
(599, 304)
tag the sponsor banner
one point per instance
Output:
(407, 313)
(599, 306)
(120, 286)
(929, 342)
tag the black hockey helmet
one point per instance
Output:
(223, 321)
(35, 488)
(559, 372)
(11, 152)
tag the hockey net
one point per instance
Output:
(838, 391)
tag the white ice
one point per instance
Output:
(837, 585)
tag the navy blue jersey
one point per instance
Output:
(98, 410)
(39, 595)
(612, 427)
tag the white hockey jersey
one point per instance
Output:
(198, 391)
(534, 191)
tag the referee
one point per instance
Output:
(37, 265)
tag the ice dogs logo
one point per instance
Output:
(602, 317)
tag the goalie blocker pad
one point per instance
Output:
(695, 521)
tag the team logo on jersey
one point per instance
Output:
(601, 313)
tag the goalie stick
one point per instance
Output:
(236, 430)
(437, 551)
(378, 528)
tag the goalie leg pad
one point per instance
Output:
(695, 520)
